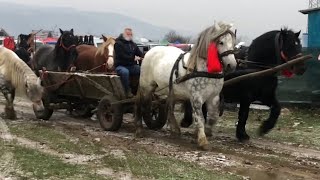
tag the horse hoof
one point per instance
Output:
(10, 114)
(243, 137)
(204, 147)
(264, 129)
(139, 133)
(175, 134)
(209, 132)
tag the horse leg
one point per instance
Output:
(9, 93)
(199, 123)
(187, 118)
(174, 126)
(138, 114)
(213, 114)
(241, 133)
(143, 107)
(275, 110)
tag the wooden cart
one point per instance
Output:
(87, 94)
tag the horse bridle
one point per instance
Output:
(64, 47)
(228, 52)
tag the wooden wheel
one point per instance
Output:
(157, 118)
(110, 116)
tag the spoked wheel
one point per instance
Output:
(157, 118)
(46, 113)
(110, 116)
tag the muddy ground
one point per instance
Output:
(71, 148)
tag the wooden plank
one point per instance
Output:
(117, 83)
(94, 86)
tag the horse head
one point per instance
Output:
(107, 50)
(66, 48)
(34, 92)
(26, 41)
(290, 47)
(215, 44)
(67, 40)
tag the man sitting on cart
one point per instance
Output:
(127, 56)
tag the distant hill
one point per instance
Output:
(16, 19)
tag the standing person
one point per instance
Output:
(127, 56)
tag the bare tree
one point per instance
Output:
(173, 36)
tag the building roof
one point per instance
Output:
(307, 11)
(3, 32)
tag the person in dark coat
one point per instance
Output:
(127, 56)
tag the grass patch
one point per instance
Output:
(157, 167)
(43, 166)
(54, 139)
(305, 133)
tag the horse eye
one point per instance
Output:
(221, 43)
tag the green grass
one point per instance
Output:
(148, 165)
(54, 139)
(43, 166)
(306, 133)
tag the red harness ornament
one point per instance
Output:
(286, 73)
(213, 64)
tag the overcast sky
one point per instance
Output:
(250, 17)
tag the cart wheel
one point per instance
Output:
(46, 113)
(157, 119)
(109, 116)
(83, 110)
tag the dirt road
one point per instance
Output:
(70, 148)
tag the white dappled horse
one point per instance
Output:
(156, 70)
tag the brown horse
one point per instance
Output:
(93, 59)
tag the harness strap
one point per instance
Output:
(198, 74)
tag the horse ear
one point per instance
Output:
(297, 34)
(61, 31)
(104, 38)
(216, 25)
(71, 30)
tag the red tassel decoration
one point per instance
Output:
(213, 64)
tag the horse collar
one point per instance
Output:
(278, 48)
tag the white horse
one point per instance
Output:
(16, 74)
(155, 77)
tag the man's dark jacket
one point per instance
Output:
(125, 52)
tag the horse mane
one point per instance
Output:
(16, 71)
(102, 48)
(199, 50)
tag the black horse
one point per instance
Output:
(25, 47)
(268, 50)
(60, 57)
